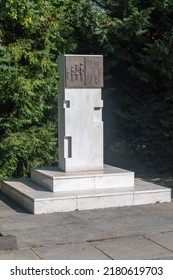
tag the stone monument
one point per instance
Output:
(81, 181)
(80, 113)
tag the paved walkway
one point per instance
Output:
(135, 232)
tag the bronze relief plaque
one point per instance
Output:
(84, 71)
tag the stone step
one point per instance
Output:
(55, 180)
(38, 200)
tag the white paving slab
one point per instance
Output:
(165, 239)
(75, 251)
(24, 254)
(131, 248)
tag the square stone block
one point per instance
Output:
(55, 180)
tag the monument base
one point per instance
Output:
(55, 180)
(111, 187)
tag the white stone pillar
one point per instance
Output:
(80, 105)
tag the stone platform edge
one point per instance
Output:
(37, 200)
(55, 180)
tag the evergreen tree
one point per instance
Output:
(137, 39)
(32, 35)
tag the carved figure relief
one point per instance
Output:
(84, 72)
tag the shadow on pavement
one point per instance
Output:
(13, 205)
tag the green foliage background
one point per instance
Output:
(32, 34)
(136, 39)
(139, 41)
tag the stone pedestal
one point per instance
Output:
(53, 179)
(38, 200)
(81, 181)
